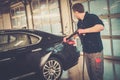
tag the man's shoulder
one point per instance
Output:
(91, 15)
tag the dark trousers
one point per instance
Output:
(95, 65)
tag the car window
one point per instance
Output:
(13, 41)
(19, 40)
(3, 39)
(34, 39)
(12, 38)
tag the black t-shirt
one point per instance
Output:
(91, 41)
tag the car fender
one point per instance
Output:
(45, 58)
(60, 57)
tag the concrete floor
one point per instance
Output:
(111, 71)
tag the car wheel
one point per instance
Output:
(52, 69)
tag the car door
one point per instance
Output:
(13, 52)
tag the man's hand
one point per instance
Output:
(74, 35)
(65, 39)
(81, 31)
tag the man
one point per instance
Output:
(89, 27)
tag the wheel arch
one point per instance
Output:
(60, 58)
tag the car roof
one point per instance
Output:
(20, 30)
(37, 32)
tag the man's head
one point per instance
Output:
(78, 9)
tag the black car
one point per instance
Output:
(27, 52)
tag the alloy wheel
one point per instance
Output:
(52, 69)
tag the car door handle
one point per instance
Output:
(38, 49)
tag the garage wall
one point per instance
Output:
(108, 11)
(30, 22)
(18, 16)
(1, 20)
(6, 21)
(64, 13)
(66, 17)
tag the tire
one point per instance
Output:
(52, 69)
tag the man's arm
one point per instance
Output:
(96, 28)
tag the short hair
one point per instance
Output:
(78, 7)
